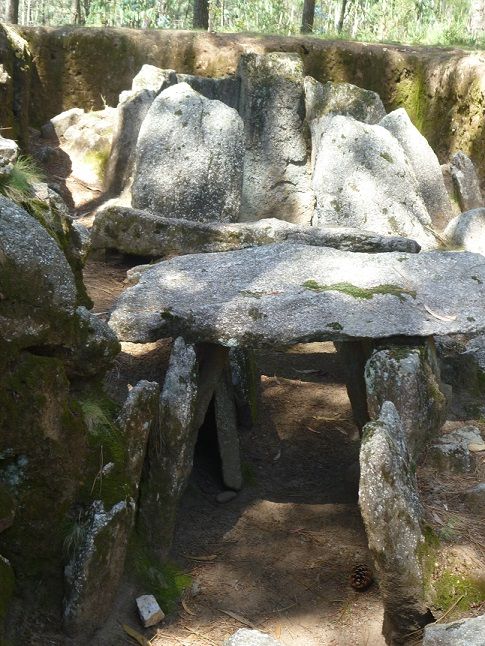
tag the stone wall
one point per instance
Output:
(443, 90)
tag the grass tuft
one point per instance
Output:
(18, 185)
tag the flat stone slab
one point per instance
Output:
(284, 294)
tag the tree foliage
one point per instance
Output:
(459, 22)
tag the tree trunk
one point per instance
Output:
(76, 12)
(308, 17)
(477, 18)
(201, 14)
(340, 24)
(13, 11)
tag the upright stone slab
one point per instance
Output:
(466, 182)
(154, 79)
(225, 88)
(408, 377)
(189, 158)
(344, 99)
(276, 166)
(467, 231)
(353, 357)
(227, 432)
(363, 178)
(425, 164)
(391, 512)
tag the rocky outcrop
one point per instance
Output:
(281, 294)
(467, 231)
(344, 99)
(276, 164)
(391, 512)
(362, 178)
(189, 158)
(425, 165)
(132, 231)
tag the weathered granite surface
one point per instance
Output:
(464, 632)
(286, 294)
(466, 182)
(467, 231)
(137, 232)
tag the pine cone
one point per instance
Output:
(361, 577)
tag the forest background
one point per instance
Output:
(431, 22)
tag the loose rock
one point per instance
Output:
(452, 453)
(247, 637)
(196, 146)
(467, 231)
(150, 612)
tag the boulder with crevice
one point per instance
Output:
(408, 377)
(189, 158)
(466, 182)
(425, 166)
(363, 178)
(467, 231)
(342, 98)
(392, 514)
(277, 180)
(132, 231)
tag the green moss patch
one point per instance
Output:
(361, 292)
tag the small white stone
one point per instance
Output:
(149, 610)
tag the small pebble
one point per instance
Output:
(226, 496)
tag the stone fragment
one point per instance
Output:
(344, 99)
(425, 165)
(132, 231)
(227, 432)
(475, 499)
(464, 632)
(189, 158)
(467, 184)
(392, 514)
(154, 79)
(462, 364)
(226, 496)
(248, 637)
(150, 612)
(9, 152)
(225, 89)
(283, 294)
(57, 126)
(362, 178)
(277, 182)
(408, 377)
(99, 558)
(38, 293)
(121, 163)
(451, 451)
(467, 231)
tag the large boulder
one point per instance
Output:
(425, 165)
(467, 231)
(464, 632)
(409, 378)
(391, 512)
(37, 287)
(363, 178)
(277, 179)
(466, 182)
(344, 99)
(189, 158)
(148, 234)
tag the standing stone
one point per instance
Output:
(171, 447)
(362, 178)
(246, 381)
(277, 179)
(154, 79)
(466, 182)
(409, 378)
(121, 164)
(225, 89)
(450, 189)
(189, 158)
(467, 231)
(425, 164)
(353, 357)
(391, 512)
(464, 632)
(227, 432)
(344, 99)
